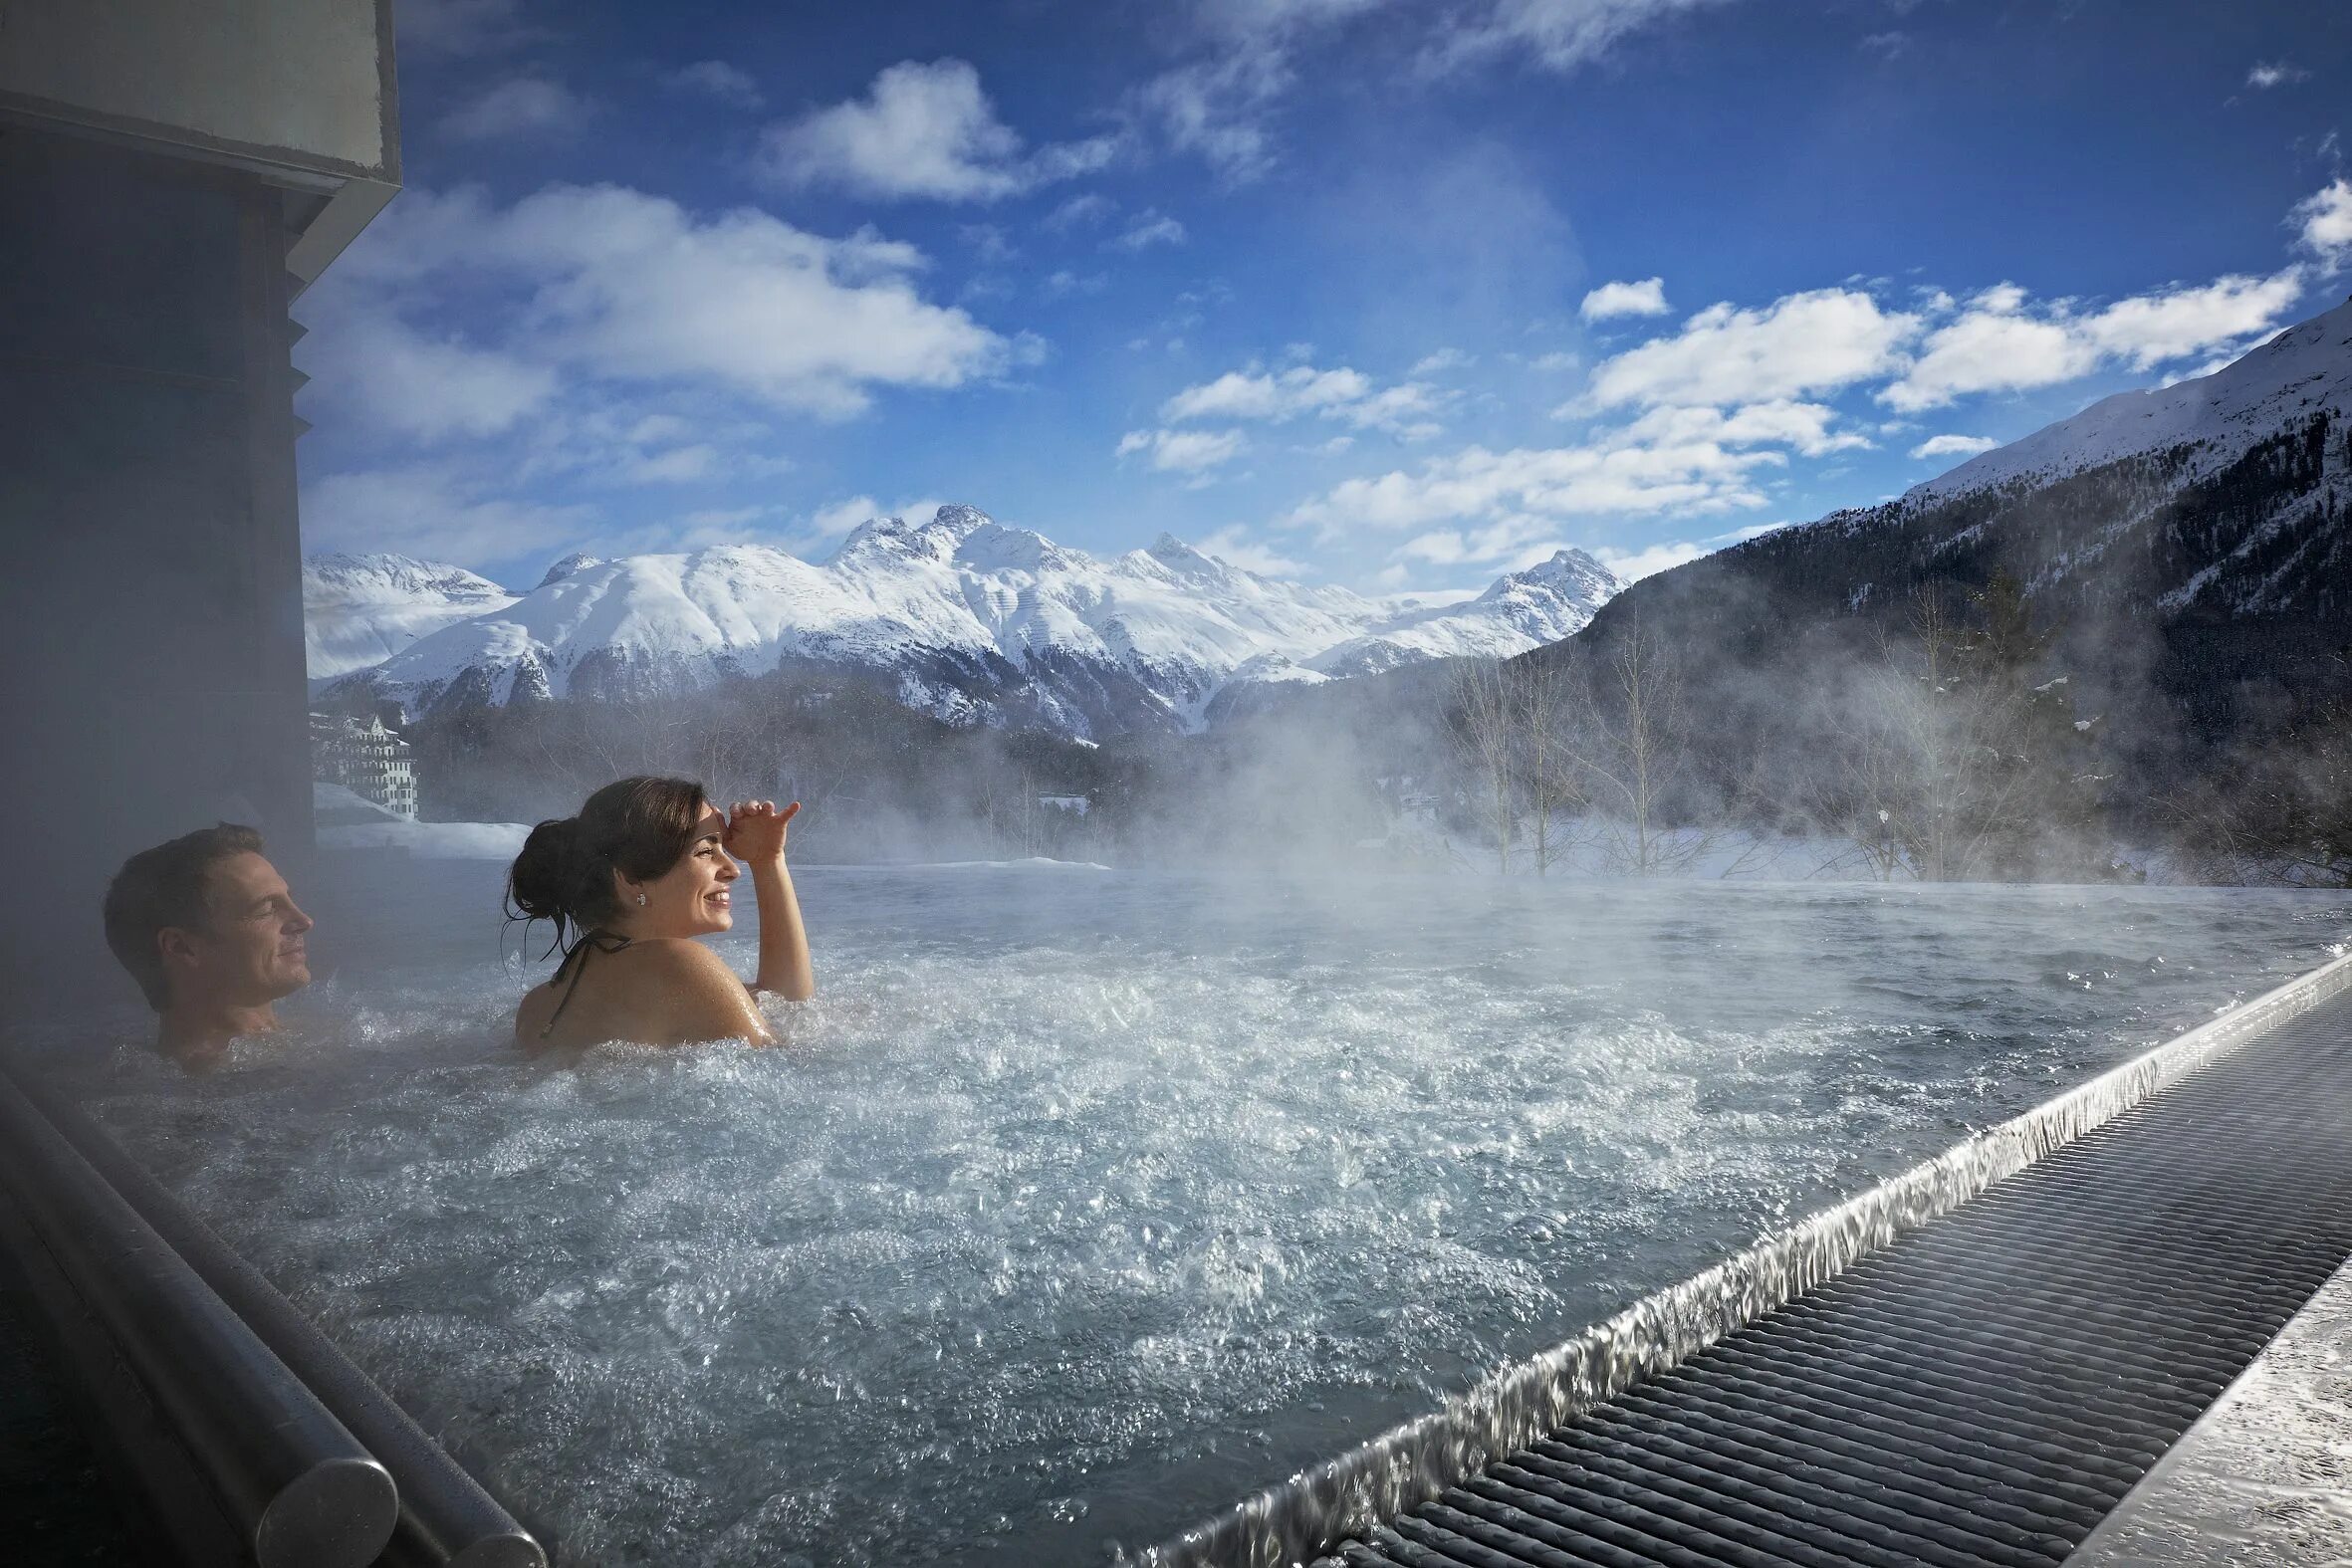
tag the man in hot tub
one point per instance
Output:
(212, 933)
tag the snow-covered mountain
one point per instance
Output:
(973, 620)
(2208, 421)
(359, 610)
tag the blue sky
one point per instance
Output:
(1394, 294)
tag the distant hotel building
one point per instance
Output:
(364, 758)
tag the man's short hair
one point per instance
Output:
(165, 887)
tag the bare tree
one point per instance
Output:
(1480, 710)
(1636, 753)
(1549, 710)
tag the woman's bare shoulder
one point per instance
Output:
(704, 998)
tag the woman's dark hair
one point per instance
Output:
(639, 827)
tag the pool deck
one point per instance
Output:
(2263, 1479)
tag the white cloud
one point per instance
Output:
(1233, 544)
(1803, 426)
(1149, 228)
(1557, 359)
(1087, 208)
(1800, 344)
(1512, 543)
(2001, 342)
(529, 106)
(674, 466)
(1559, 33)
(1442, 360)
(1646, 298)
(1254, 21)
(1597, 479)
(715, 78)
(2325, 224)
(2262, 76)
(1217, 108)
(630, 288)
(375, 369)
(1278, 396)
(923, 130)
(1183, 451)
(1954, 446)
(431, 512)
(1631, 566)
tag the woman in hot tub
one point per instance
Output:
(648, 866)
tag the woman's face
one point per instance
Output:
(691, 898)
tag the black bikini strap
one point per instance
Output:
(575, 960)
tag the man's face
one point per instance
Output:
(251, 950)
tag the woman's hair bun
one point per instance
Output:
(545, 882)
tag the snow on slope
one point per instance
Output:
(2296, 374)
(959, 600)
(359, 610)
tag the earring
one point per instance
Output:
(640, 901)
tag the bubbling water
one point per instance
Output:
(1081, 1204)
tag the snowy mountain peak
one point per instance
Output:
(359, 610)
(935, 538)
(972, 620)
(2301, 372)
(1570, 570)
(577, 562)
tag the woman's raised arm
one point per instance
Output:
(755, 836)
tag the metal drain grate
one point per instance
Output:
(1978, 1392)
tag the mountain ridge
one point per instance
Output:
(977, 621)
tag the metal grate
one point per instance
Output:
(1978, 1392)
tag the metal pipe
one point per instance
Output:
(446, 1517)
(301, 1490)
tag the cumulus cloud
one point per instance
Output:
(1278, 396)
(633, 288)
(432, 511)
(1183, 451)
(1819, 342)
(1589, 480)
(1954, 446)
(1803, 426)
(715, 78)
(923, 130)
(2323, 224)
(1646, 298)
(382, 372)
(2000, 342)
(1440, 360)
(529, 106)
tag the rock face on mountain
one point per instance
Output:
(975, 621)
(359, 610)
(2191, 546)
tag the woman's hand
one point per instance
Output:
(755, 830)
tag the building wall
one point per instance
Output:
(304, 82)
(150, 603)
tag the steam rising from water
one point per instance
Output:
(1083, 1204)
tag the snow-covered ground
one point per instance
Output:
(1076, 1206)
(348, 821)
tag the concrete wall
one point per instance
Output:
(150, 599)
(304, 84)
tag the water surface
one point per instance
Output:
(1082, 1202)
